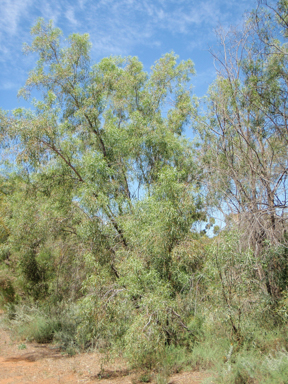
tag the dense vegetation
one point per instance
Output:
(102, 197)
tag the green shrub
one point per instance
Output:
(42, 325)
(7, 291)
(40, 329)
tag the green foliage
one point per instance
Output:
(45, 324)
(32, 325)
(249, 367)
(7, 291)
(145, 378)
(100, 205)
(107, 195)
(231, 273)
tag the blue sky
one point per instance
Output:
(143, 28)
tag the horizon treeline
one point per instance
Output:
(102, 196)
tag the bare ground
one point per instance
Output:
(45, 364)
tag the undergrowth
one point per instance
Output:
(227, 326)
(259, 356)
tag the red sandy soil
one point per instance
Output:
(45, 364)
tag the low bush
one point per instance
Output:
(7, 291)
(43, 325)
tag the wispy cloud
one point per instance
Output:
(7, 85)
(70, 16)
(122, 23)
(115, 26)
(11, 15)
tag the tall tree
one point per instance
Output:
(103, 128)
(105, 168)
(244, 139)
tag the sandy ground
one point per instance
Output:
(45, 364)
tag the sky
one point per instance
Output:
(144, 28)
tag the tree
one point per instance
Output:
(244, 139)
(102, 127)
(108, 179)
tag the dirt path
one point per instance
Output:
(45, 364)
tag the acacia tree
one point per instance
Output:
(102, 126)
(244, 138)
(109, 180)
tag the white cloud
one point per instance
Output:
(116, 26)
(7, 85)
(11, 14)
(70, 16)
(121, 24)
(50, 10)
